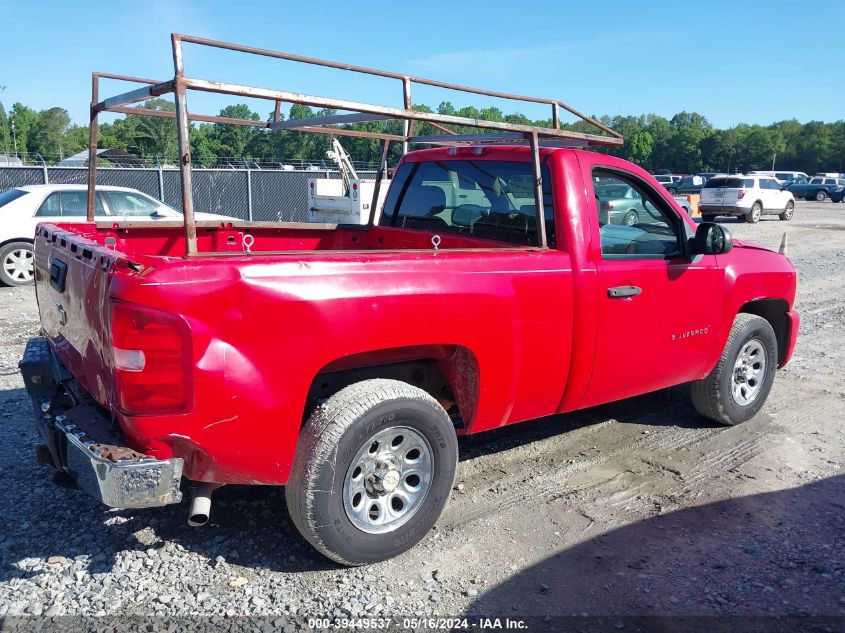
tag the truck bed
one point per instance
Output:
(166, 239)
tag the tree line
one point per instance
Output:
(686, 143)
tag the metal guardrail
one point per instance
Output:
(498, 131)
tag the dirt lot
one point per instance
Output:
(639, 508)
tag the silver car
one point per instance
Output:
(622, 204)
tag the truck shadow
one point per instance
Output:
(249, 525)
(769, 554)
(664, 408)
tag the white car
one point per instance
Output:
(22, 208)
(746, 197)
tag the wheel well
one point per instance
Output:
(17, 239)
(449, 374)
(774, 311)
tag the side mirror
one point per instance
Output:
(712, 239)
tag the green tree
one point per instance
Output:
(23, 120)
(49, 132)
(638, 148)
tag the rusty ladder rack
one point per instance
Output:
(515, 133)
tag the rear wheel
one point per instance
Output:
(708, 217)
(631, 218)
(788, 211)
(672, 191)
(373, 470)
(753, 216)
(740, 382)
(821, 195)
(17, 264)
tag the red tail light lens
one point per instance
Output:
(151, 353)
(606, 206)
(741, 194)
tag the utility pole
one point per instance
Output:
(773, 160)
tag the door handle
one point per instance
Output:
(621, 292)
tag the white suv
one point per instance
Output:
(745, 197)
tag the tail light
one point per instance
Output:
(606, 206)
(151, 353)
(741, 194)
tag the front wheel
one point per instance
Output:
(373, 471)
(740, 382)
(821, 195)
(708, 217)
(672, 191)
(17, 264)
(788, 211)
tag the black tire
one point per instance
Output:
(708, 217)
(672, 191)
(821, 195)
(753, 216)
(788, 211)
(630, 218)
(329, 442)
(11, 253)
(713, 396)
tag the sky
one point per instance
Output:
(749, 62)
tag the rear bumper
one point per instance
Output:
(718, 209)
(81, 441)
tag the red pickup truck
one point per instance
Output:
(343, 363)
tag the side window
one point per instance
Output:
(633, 222)
(74, 203)
(68, 204)
(130, 204)
(51, 206)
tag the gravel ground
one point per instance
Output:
(635, 509)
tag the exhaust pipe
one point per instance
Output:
(201, 504)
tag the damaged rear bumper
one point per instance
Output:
(80, 440)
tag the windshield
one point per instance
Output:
(12, 194)
(482, 198)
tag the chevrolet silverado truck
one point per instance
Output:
(344, 363)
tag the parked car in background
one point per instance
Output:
(22, 208)
(669, 181)
(788, 177)
(819, 188)
(694, 183)
(837, 194)
(745, 197)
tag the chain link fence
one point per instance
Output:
(249, 194)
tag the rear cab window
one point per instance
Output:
(480, 198)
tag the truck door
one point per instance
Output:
(657, 310)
